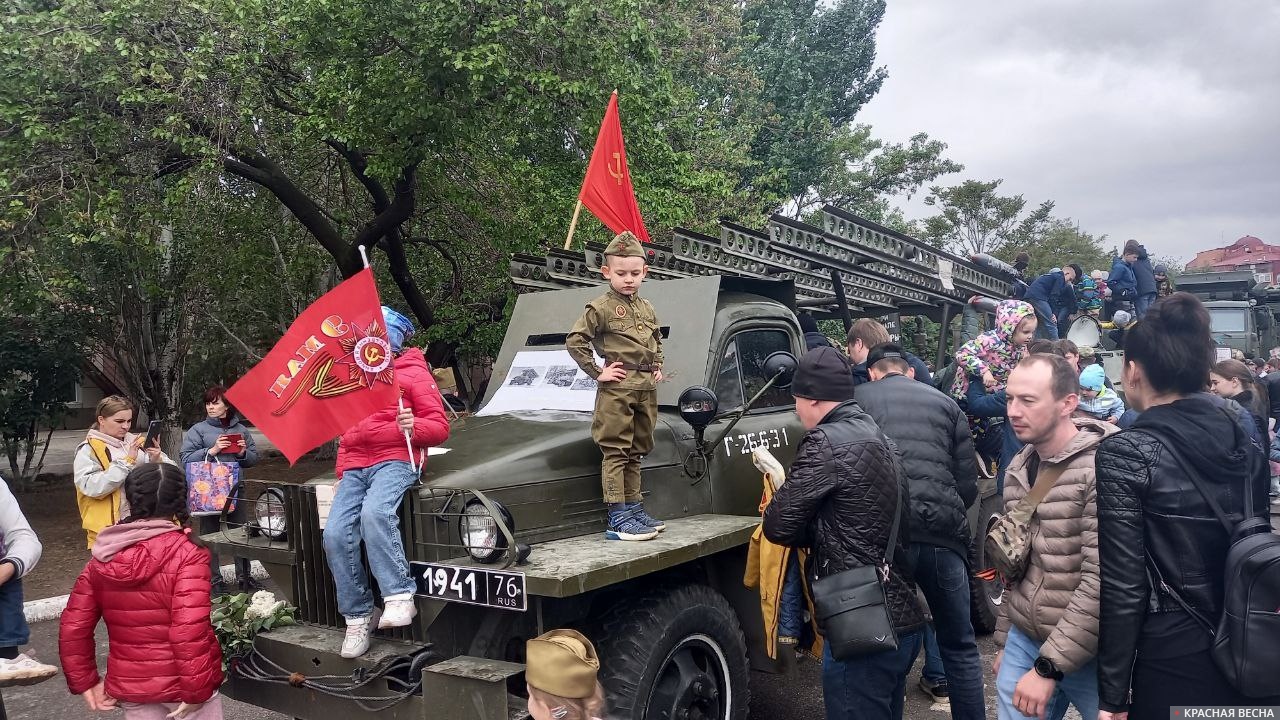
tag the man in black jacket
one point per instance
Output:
(839, 501)
(942, 472)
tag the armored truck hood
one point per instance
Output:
(513, 449)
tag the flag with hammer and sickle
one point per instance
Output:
(606, 190)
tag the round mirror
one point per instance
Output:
(698, 406)
(782, 365)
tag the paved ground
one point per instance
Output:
(773, 696)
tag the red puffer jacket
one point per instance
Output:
(154, 596)
(378, 438)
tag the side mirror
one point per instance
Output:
(780, 367)
(698, 406)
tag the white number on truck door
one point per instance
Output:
(744, 443)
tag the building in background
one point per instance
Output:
(1247, 253)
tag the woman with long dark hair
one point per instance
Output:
(211, 440)
(1161, 548)
(1233, 379)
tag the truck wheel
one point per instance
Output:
(674, 654)
(984, 595)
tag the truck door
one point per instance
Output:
(739, 375)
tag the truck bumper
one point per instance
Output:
(292, 663)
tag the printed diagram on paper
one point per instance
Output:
(543, 380)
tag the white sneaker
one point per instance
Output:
(25, 670)
(397, 611)
(356, 642)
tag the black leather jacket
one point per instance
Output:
(838, 501)
(937, 452)
(1158, 540)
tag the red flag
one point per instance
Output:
(332, 369)
(606, 190)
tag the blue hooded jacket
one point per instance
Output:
(1121, 278)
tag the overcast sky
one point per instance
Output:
(1145, 119)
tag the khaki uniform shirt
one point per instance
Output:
(621, 329)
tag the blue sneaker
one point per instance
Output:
(646, 518)
(625, 525)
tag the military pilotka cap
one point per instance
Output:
(823, 373)
(625, 244)
(563, 663)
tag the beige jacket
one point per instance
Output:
(1056, 601)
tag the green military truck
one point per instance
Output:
(1241, 316)
(505, 531)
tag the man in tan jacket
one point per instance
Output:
(1048, 625)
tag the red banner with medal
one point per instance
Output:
(332, 369)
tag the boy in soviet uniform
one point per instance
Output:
(623, 329)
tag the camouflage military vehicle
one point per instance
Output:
(505, 531)
(1242, 314)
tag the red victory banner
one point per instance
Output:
(606, 190)
(332, 369)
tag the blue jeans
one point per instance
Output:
(933, 670)
(1142, 303)
(1079, 688)
(869, 687)
(1048, 327)
(791, 604)
(943, 577)
(365, 507)
(13, 624)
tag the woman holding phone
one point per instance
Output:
(102, 462)
(222, 436)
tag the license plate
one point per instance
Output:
(473, 586)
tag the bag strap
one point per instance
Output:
(1046, 478)
(897, 506)
(1247, 512)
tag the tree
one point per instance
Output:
(1059, 243)
(975, 219)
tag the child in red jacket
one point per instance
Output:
(150, 583)
(373, 474)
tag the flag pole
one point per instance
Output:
(573, 224)
(408, 442)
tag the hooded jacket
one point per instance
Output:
(202, 436)
(839, 501)
(378, 438)
(1052, 288)
(1144, 274)
(1158, 535)
(992, 350)
(1056, 601)
(1121, 279)
(937, 455)
(151, 585)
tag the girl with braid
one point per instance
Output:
(149, 581)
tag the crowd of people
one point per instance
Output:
(1114, 606)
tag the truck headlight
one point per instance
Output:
(479, 531)
(269, 513)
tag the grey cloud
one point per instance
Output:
(1141, 119)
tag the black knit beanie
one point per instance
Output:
(823, 373)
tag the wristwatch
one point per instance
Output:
(1046, 669)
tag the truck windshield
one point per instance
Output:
(1227, 320)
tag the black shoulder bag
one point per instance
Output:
(851, 606)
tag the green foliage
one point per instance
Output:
(973, 218)
(237, 620)
(1059, 243)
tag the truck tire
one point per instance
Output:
(677, 653)
(984, 595)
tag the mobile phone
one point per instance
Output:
(153, 434)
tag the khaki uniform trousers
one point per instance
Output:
(623, 428)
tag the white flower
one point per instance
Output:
(262, 605)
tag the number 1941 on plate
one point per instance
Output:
(473, 586)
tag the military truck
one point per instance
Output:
(1241, 315)
(505, 531)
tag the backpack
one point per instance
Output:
(1246, 642)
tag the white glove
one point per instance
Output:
(766, 463)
